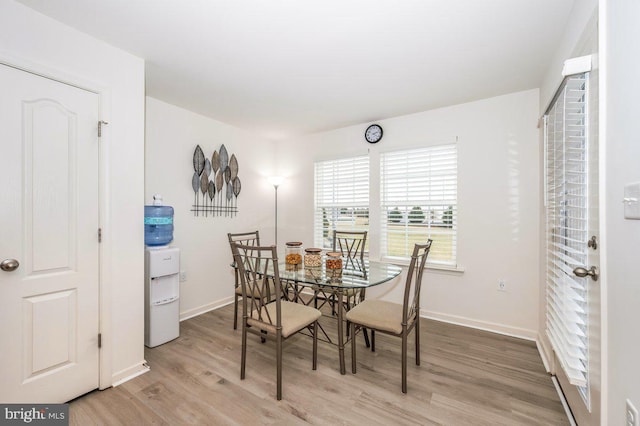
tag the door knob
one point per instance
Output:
(9, 265)
(583, 272)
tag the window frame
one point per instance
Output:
(438, 206)
(360, 173)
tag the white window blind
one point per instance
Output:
(419, 201)
(566, 194)
(341, 197)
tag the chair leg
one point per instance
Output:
(373, 340)
(417, 331)
(279, 365)
(404, 362)
(315, 345)
(243, 357)
(365, 333)
(353, 348)
(235, 312)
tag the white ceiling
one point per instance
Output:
(286, 67)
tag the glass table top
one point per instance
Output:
(352, 275)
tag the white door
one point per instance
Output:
(573, 242)
(48, 239)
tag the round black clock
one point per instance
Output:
(373, 134)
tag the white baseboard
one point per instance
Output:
(205, 308)
(544, 354)
(521, 333)
(129, 373)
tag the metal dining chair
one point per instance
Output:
(246, 238)
(351, 244)
(394, 318)
(278, 319)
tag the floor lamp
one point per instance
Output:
(276, 181)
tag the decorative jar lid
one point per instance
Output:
(294, 243)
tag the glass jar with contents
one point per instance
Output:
(334, 266)
(293, 253)
(312, 257)
(334, 260)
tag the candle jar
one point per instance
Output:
(293, 253)
(312, 258)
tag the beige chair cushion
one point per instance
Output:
(295, 316)
(377, 314)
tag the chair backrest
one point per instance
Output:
(351, 244)
(245, 238)
(411, 303)
(258, 270)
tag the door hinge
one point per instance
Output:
(99, 340)
(99, 235)
(100, 123)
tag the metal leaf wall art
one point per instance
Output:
(215, 183)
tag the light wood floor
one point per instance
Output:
(466, 377)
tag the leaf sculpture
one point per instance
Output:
(204, 187)
(215, 161)
(229, 198)
(219, 183)
(224, 158)
(233, 165)
(227, 175)
(195, 184)
(236, 189)
(227, 178)
(198, 160)
(212, 190)
(207, 167)
(229, 192)
(204, 183)
(237, 186)
(212, 193)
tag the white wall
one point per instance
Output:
(569, 46)
(498, 204)
(33, 40)
(622, 165)
(172, 134)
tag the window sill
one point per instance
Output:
(429, 266)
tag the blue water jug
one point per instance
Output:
(158, 223)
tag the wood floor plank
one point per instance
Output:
(466, 377)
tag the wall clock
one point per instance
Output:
(373, 134)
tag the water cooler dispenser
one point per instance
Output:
(161, 295)
(162, 276)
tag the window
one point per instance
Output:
(418, 195)
(341, 198)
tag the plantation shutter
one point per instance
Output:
(341, 197)
(419, 201)
(566, 195)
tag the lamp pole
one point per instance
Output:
(275, 186)
(276, 181)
